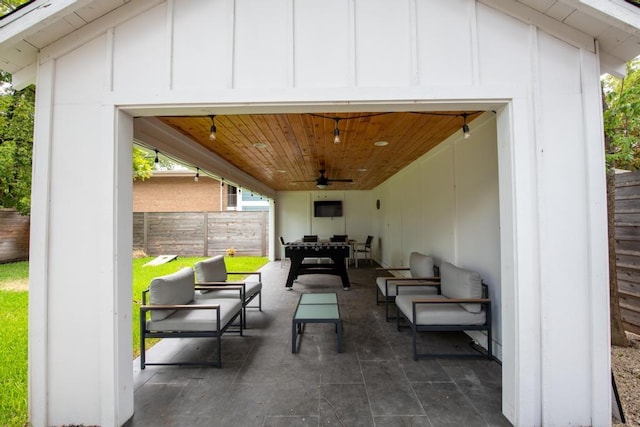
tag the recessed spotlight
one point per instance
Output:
(282, 171)
(362, 170)
(380, 143)
(259, 145)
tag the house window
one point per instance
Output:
(232, 198)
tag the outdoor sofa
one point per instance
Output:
(172, 311)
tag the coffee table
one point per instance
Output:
(316, 308)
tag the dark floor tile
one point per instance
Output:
(294, 398)
(402, 421)
(445, 405)
(341, 369)
(344, 405)
(241, 405)
(393, 398)
(151, 401)
(382, 371)
(296, 421)
(424, 370)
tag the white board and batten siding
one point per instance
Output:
(175, 56)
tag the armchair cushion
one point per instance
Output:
(198, 320)
(420, 265)
(211, 270)
(173, 289)
(457, 282)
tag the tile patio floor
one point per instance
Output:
(374, 382)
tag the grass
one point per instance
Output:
(13, 351)
(14, 271)
(14, 325)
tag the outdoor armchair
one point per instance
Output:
(462, 304)
(422, 277)
(213, 272)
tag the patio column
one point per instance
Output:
(80, 357)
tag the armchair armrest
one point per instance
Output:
(221, 285)
(451, 301)
(435, 280)
(248, 273)
(145, 308)
(212, 286)
(392, 268)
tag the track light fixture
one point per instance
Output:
(212, 131)
(465, 127)
(197, 177)
(336, 132)
(156, 159)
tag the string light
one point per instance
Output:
(156, 159)
(465, 127)
(197, 177)
(222, 182)
(212, 131)
(336, 132)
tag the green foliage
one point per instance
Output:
(142, 164)
(7, 6)
(622, 118)
(13, 358)
(16, 141)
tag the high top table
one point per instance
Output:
(316, 308)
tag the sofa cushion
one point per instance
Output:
(456, 282)
(198, 320)
(176, 288)
(390, 289)
(211, 270)
(437, 314)
(420, 265)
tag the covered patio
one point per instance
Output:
(375, 381)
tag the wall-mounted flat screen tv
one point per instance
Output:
(327, 208)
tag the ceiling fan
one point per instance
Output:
(322, 181)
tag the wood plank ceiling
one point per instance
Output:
(287, 151)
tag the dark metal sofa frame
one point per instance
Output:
(225, 285)
(415, 328)
(404, 281)
(217, 333)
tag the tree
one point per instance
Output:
(16, 140)
(142, 164)
(621, 103)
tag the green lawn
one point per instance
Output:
(13, 357)
(13, 324)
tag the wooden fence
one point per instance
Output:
(14, 236)
(201, 233)
(627, 232)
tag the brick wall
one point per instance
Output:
(177, 192)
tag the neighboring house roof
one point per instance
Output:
(615, 24)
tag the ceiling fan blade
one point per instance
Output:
(340, 180)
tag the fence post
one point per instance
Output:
(145, 230)
(206, 234)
